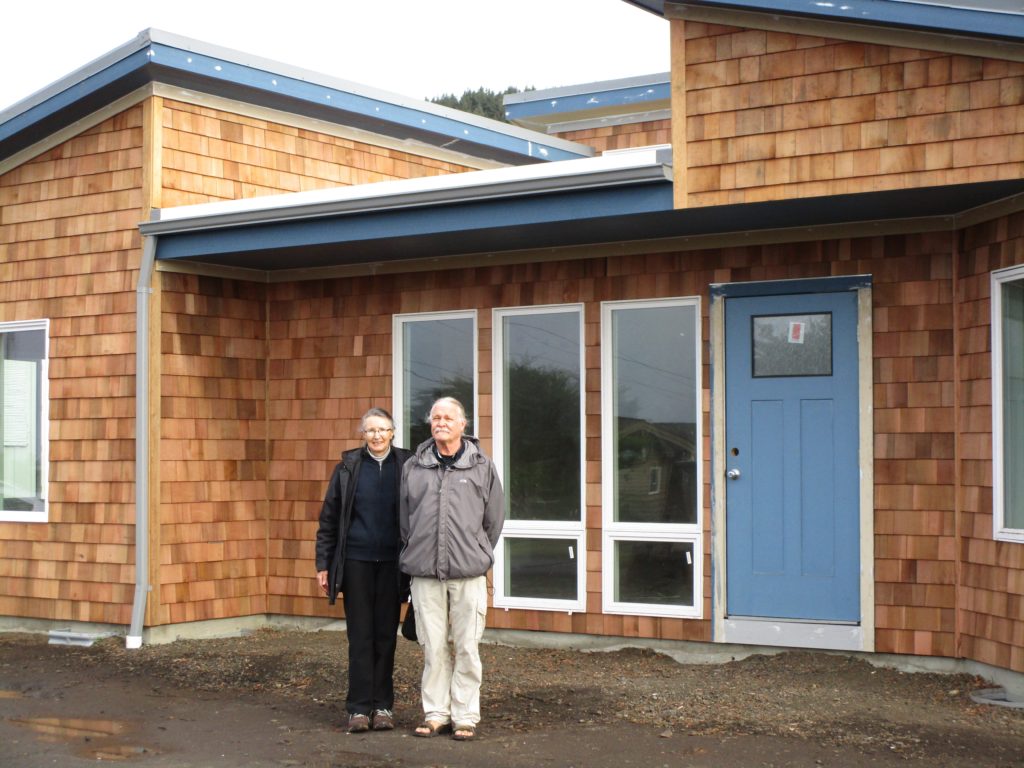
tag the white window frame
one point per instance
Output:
(36, 516)
(613, 531)
(538, 529)
(398, 368)
(999, 530)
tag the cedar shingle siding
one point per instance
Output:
(259, 386)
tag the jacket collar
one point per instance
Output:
(470, 456)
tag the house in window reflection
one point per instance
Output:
(657, 471)
(744, 338)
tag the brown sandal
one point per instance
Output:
(464, 732)
(430, 728)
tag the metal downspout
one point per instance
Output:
(143, 291)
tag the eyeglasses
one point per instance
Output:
(376, 432)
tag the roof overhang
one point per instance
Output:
(490, 219)
(995, 21)
(508, 208)
(592, 105)
(160, 57)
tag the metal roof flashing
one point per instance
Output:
(155, 56)
(645, 165)
(608, 102)
(979, 19)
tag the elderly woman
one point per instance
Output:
(357, 548)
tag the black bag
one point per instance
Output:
(409, 623)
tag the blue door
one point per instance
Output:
(792, 487)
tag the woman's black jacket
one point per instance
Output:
(336, 515)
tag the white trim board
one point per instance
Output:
(792, 634)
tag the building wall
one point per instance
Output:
(914, 442)
(771, 115)
(993, 571)
(211, 154)
(331, 359)
(211, 535)
(69, 251)
(230, 541)
(625, 136)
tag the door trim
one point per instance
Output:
(800, 634)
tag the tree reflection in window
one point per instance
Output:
(542, 415)
(437, 362)
(655, 380)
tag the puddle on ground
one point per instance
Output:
(88, 738)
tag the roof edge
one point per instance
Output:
(656, 78)
(156, 56)
(614, 169)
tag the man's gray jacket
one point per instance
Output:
(450, 519)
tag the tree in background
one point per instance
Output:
(482, 101)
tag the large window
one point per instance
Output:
(24, 420)
(1008, 403)
(539, 450)
(435, 356)
(651, 454)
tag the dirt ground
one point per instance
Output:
(276, 698)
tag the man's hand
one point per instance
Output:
(321, 579)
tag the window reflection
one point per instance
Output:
(541, 370)
(655, 381)
(654, 572)
(541, 568)
(437, 362)
(22, 354)
(1013, 404)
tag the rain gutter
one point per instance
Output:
(143, 292)
(650, 164)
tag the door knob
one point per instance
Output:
(733, 474)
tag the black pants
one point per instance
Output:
(371, 613)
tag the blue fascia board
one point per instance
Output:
(325, 96)
(127, 68)
(888, 13)
(569, 208)
(617, 100)
(159, 62)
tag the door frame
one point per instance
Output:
(775, 632)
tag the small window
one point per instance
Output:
(792, 345)
(1008, 404)
(654, 572)
(654, 485)
(540, 568)
(24, 421)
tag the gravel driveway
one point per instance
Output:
(276, 697)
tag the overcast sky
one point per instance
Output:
(418, 48)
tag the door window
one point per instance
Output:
(792, 345)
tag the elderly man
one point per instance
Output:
(451, 512)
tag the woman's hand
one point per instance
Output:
(321, 579)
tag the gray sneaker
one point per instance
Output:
(358, 723)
